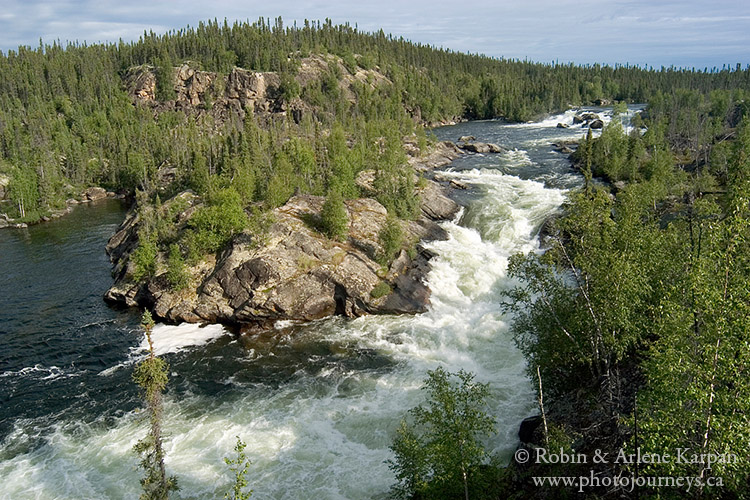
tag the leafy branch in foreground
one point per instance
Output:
(239, 467)
(441, 454)
(151, 376)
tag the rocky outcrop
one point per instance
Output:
(588, 120)
(436, 206)
(441, 154)
(241, 91)
(256, 90)
(199, 92)
(191, 86)
(4, 183)
(293, 272)
(141, 83)
(93, 194)
(481, 147)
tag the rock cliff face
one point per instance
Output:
(4, 183)
(294, 273)
(241, 91)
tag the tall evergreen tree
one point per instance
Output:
(151, 376)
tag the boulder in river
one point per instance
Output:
(565, 147)
(94, 194)
(481, 147)
(562, 125)
(596, 124)
(457, 184)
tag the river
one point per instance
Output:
(317, 404)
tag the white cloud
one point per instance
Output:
(693, 32)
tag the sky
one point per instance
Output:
(688, 33)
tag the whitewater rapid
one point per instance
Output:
(318, 404)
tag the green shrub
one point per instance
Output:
(288, 87)
(259, 225)
(239, 466)
(152, 375)
(144, 259)
(381, 290)
(24, 192)
(164, 73)
(350, 62)
(216, 223)
(440, 455)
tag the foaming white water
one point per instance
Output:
(169, 339)
(40, 372)
(518, 157)
(324, 433)
(550, 121)
(175, 338)
(566, 118)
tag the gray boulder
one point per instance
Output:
(93, 194)
(481, 147)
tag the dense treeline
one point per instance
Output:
(66, 121)
(637, 314)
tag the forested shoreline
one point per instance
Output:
(634, 320)
(67, 121)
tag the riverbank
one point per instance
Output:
(90, 195)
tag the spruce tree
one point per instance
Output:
(334, 219)
(391, 238)
(151, 376)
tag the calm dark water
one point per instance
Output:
(56, 332)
